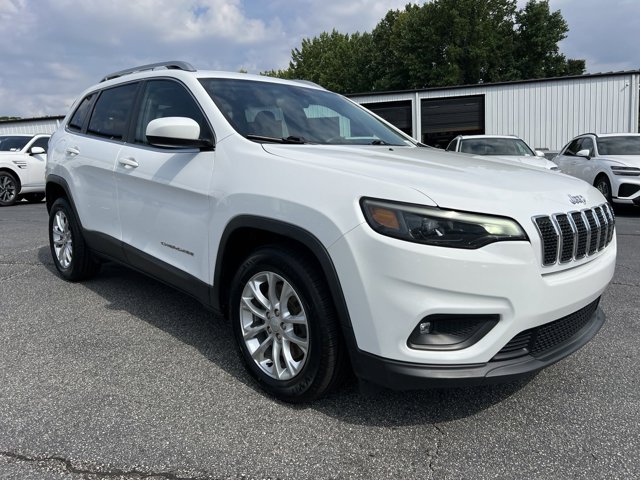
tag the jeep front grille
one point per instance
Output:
(574, 235)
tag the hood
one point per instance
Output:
(539, 162)
(452, 180)
(625, 160)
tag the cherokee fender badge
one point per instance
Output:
(576, 199)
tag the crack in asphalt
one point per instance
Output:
(17, 274)
(68, 467)
(621, 265)
(626, 284)
(436, 452)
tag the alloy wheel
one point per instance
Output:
(7, 189)
(62, 239)
(274, 325)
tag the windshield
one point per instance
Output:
(265, 111)
(10, 143)
(619, 145)
(495, 146)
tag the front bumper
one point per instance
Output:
(391, 285)
(408, 376)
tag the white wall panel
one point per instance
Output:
(30, 126)
(548, 113)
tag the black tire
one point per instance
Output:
(33, 197)
(8, 189)
(323, 367)
(80, 264)
(602, 183)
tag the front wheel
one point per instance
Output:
(70, 253)
(286, 326)
(602, 183)
(8, 189)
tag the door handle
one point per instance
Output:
(128, 162)
(72, 151)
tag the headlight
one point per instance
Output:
(626, 171)
(435, 226)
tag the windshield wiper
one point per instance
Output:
(264, 138)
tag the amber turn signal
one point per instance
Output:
(385, 217)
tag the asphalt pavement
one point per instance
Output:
(122, 377)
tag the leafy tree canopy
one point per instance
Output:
(439, 43)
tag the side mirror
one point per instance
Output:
(36, 151)
(584, 153)
(539, 153)
(176, 132)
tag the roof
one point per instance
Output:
(467, 137)
(34, 119)
(618, 134)
(176, 68)
(511, 82)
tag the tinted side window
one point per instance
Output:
(79, 116)
(42, 142)
(109, 118)
(166, 98)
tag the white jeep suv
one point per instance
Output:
(330, 239)
(22, 161)
(610, 162)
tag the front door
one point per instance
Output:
(163, 193)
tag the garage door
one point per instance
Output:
(445, 118)
(396, 113)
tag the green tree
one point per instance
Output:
(439, 43)
(337, 61)
(537, 34)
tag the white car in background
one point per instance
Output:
(610, 162)
(22, 162)
(507, 147)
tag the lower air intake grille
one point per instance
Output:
(539, 340)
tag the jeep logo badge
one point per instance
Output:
(575, 199)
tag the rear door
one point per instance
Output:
(163, 193)
(90, 155)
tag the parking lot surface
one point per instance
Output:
(123, 377)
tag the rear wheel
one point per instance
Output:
(602, 183)
(70, 254)
(8, 189)
(285, 325)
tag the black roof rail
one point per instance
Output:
(172, 65)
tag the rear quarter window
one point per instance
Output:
(80, 115)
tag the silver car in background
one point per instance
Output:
(506, 147)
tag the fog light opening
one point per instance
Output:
(450, 331)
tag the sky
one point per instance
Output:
(54, 49)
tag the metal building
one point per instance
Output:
(30, 125)
(546, 113)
